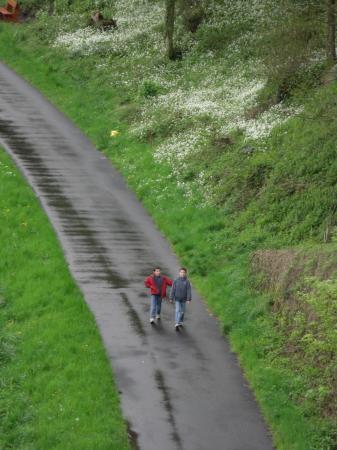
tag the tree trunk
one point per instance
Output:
(169, 27)
(331, 30)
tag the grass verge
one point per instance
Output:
(56, 385)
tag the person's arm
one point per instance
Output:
(173, 291)
(168, 282)
(147, 282)
(189, 292)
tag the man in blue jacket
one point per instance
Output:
(181, 293)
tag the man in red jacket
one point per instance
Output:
(157, 284)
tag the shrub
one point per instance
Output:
(149, 89)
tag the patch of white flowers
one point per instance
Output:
(226, 105)
(136, 27)
(180, 146)
(84, 41)
(215, 96)
(264, 124)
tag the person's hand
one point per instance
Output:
(171, 300)
(188, 301)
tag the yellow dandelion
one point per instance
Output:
(114, 133)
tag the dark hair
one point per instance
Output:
(183, 268)
(156, 268)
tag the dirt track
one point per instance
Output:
(178, 390)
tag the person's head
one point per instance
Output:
(156, 271)
(182, 272)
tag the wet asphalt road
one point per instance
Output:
(178, 390)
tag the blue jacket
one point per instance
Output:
(181, 290)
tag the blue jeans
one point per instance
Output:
(155, 305)
(180, 311)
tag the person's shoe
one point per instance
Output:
(152, 321)
(181, 324)
(177, 326)
(158, 316)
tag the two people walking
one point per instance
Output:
(181, 293)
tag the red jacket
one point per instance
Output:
(150, 283)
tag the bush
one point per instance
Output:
(149, 89)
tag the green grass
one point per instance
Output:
(283, 196)
(56, 386)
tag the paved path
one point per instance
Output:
(178, 390)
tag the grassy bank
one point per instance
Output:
(56, 386)
(217, 194)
